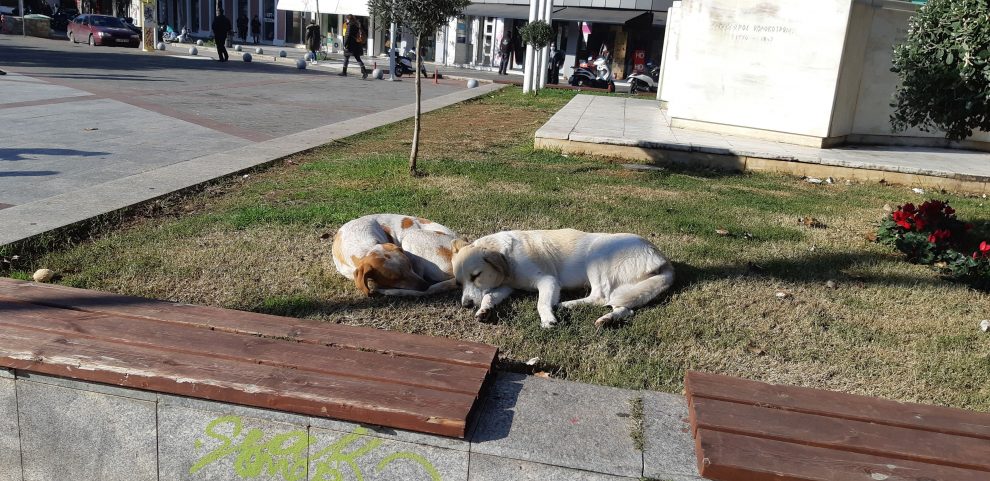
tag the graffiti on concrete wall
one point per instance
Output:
(287, 455)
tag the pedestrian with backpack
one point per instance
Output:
(353, 45)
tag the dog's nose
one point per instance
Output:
(468, 303)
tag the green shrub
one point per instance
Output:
(944, 69)
(538, 33)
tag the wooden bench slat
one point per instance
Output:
(350, 337)
(321, 395)
(732, 457)
(841, 434)
(840, 405)
(236, 347)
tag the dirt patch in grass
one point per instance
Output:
(884, 328)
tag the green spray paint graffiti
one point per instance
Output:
(286, 454)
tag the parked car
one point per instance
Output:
(102, 30)
(62, 17)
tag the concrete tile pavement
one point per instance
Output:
(641, 124)
(10, 443)
(527, 429)
(77, 205)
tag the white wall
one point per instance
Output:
(764, 65)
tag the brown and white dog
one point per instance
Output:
(400, 255)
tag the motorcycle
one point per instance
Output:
(642, 82)
(404, 65)
(169, 35)
(600, 77)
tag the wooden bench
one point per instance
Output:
(364, 375)
(752, 431)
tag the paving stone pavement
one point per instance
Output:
(94, 130)
(527, 429)
(628, 122)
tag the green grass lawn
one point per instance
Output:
(887, 328)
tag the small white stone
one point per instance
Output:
(43, 275)
(782, 295)
(532, 361)
(813, 180)
(918, 191)
(985, 325)
(829, 180)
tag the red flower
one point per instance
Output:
(985, 247)
(919, 223)
(940, 235)
(902, 219)
(909, 208)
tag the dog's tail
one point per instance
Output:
(644, 291)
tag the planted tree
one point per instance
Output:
(421, 17)
(944, 68)
(539, 34)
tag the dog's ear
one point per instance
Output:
(361, 277)
(498, 261)
(458, 244)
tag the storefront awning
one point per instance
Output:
(497, 10)
(341, 7)
(602, 15)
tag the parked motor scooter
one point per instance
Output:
(596, 75)
(642, 82)
(405, 65)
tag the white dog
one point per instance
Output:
(623, 271)
(401, 255)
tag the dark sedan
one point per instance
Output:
(102, 30)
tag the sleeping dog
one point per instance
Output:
(623, 271)
(400, 255)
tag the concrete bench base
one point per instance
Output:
(53, 428)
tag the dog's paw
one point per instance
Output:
(568, 304)
(548, 323)
(482, 315)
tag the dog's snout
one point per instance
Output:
(468, 303)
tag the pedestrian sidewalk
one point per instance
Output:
(335, 62)
(639, 130)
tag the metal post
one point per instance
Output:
(20, 10)
(547, 17)
(391, 52)
(528, 64)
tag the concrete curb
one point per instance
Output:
(26, 221)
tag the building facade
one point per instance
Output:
(629, 32)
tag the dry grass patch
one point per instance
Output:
(884, 328)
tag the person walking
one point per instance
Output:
(505, 53)
(255, 28)
(353, 45)
(313, 38)
(242, 27)
(221, 28)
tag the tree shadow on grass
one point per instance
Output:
(808, 268)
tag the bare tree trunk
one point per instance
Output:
(419, 96)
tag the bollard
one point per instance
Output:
(193, 51)
(246, 57)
